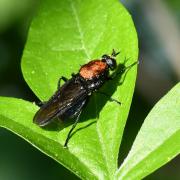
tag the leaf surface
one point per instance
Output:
(64, 35)
(158, 140)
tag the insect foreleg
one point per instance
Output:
(59, 81)
(73, 126)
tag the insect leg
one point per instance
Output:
(110, 98)
(73, 126)
(59, 81)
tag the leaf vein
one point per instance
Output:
(79, 29)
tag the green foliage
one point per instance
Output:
(64, 35)
(158, 139)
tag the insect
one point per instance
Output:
(70, 98)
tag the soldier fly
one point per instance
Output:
(70, 98)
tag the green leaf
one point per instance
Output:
(158, 140)
(63, 36)
(16, 115)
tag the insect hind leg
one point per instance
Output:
(72, 128)
(72, 113)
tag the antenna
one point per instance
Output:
(114, 54)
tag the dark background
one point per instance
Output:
(158, 27)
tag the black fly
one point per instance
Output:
(70, 98)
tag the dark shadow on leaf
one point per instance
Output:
(91, 123)
(57, 125)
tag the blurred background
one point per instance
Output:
(158, 27)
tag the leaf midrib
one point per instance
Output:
(88, 57)
(81, 35)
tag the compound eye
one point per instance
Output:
(112, 63)
(105, 56)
